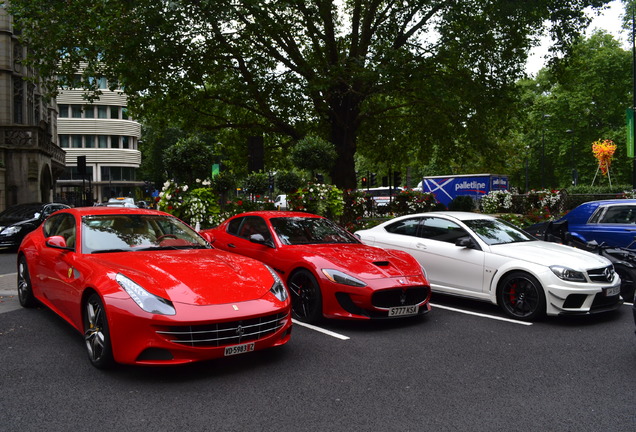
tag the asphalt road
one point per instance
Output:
(461, 368)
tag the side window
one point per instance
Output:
(254, 225)
(619, 215)
(441, 230)
(234, 225)
(61, 225)
(405, 227)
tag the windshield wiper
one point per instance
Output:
(110, 250)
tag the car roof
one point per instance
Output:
(108, 210)
(269, 214)
(458, 215)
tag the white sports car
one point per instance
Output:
(485, 258)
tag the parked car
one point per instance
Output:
(328, 271)
(121, 202)
(19, 220)
(612, 222)
(484, 258)
(382, 196)
(281, 202)
(144, 288)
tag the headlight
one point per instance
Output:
(11, 230)
(146, 301)
(342, 278)
(278, 289)
(568, 274)
(424, 271)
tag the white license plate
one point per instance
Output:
(239, 349)
(612, 291)
(403, 310)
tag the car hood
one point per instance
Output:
(546, 253)
(366, 262)
(197, 277)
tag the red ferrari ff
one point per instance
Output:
(144, 288)
(328, 271)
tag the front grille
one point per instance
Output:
(400, 296)
(225, 333)
(603, 274)
(601, 301)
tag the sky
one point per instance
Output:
(609, 20)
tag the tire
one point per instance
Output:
(96, 334)
(628, 281)
(305, 296)
(521, 296)
(25, 289)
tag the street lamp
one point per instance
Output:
(575, 174)
(545, 116)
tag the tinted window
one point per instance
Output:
(441, 230)
(404, 227)
(302, 230)
(619, 215)
(254, 225)
(497, 232)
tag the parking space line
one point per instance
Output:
(482, 315)
(321, 330)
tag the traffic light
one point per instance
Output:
(385, 181)
(397, 179)
(364, 182)
(372, 179)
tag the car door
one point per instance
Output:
(614, 225)
(239, 239)
(55, 266)
(450, 268)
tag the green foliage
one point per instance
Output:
(314, 154)
(190, 158)
(224, 183)
(410, 201)
(200, 207)
(463, 203)
(324, 200)
(256, 183)
(288, 181)
(357, 73)
(496, 202)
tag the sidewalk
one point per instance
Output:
(8, 293)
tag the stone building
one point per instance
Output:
(30, 158)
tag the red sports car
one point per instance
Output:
(328, 271)
(144, 288)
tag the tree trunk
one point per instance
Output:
(344, 127)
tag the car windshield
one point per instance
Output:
(496, 231)
(301, 230)
(135, 232)
(21, 212)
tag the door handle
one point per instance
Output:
(232, 245)
(420, 245)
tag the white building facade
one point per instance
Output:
(108, 140)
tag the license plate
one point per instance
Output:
(612, 291)
(239, 349)
(403, 310)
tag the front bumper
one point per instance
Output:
(570, 298)
(194, 333)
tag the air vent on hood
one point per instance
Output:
(381, 263)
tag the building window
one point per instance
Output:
(114, 141)
(18, 100)
(89, 141)
(63, 111)
(115, 173)
(114, 112)
(124, 113)
(76, 111)
(89, 111)
(124, 142)
(64, 141)
(76, 141)
(103, 141)
(102, 111)
(102, 83)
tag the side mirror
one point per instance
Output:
(57, 242)
(208, 236)
(259, 239)
(465, 241)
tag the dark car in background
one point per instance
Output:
(19, 220)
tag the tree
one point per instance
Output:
(313, 154)
(568, 107)
(189, 159)
(439, 71)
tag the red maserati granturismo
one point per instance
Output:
(144, 288)
(328, 271)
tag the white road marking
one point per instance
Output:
(321, 330)
(481, 315)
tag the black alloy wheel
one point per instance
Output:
(25, 289)
(628, 281)
(96, 334)
(521, 296)
(305, 296)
